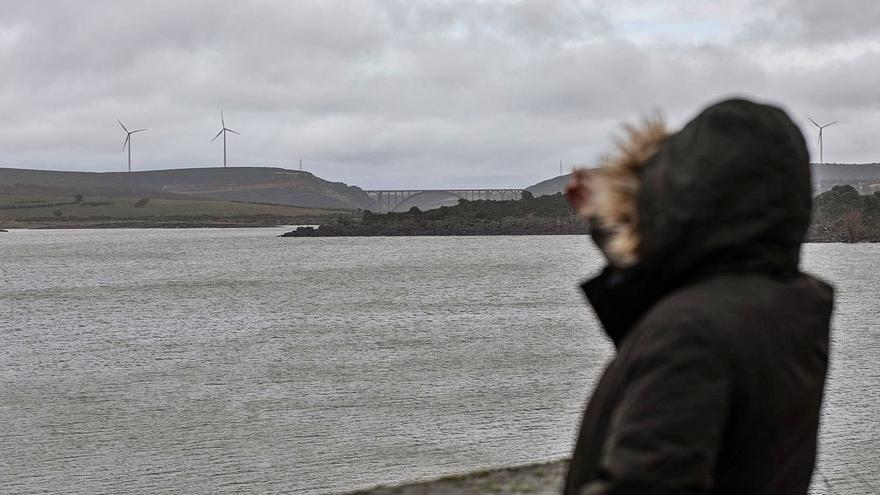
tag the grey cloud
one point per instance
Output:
(820, 22)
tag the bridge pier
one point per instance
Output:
(388, 200)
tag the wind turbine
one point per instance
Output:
(223, 131)
(821, 158)
(128, 141)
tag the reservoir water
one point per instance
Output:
(228, 361)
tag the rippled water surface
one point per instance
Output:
(204, 361)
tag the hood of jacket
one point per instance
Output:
(729, 192)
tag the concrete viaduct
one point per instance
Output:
(389, 200)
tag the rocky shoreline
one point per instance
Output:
(575, 227)
(817, 234)
(839, 215)
(534, 479)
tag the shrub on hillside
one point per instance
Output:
(844, 215)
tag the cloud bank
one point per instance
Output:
(393, 94)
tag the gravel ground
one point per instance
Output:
(536, 479)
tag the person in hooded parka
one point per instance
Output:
(721, 341)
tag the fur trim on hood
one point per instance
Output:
(614, 190)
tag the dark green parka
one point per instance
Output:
(722, 343)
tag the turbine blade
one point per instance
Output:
(814, 122)
(120, 123)
(124, 144)
(831, 124)
(230, 130)
(139, 130)
(221, 119)
(218, 134)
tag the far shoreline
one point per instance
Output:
(210, 225)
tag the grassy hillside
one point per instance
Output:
(20, 211)
(845, 171)
(825, 176)
(550, 186)
(252, 184)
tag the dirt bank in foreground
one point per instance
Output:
(535, 479)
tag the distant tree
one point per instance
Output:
(78, 198)
(57, 213)
(527, 196)
(853, 228)
(845, 189)
(414, 210)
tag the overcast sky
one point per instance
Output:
(396, 94)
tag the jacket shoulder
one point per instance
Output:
(733, 314)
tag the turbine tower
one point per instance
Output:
(821, 127)
(223, 131)
(128, 142)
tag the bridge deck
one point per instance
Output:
(389, 199)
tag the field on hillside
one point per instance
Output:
(18, 211)
(245, 184)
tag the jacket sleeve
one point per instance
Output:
(665, 433)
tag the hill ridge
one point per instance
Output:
(825, 176)
(276, 185)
